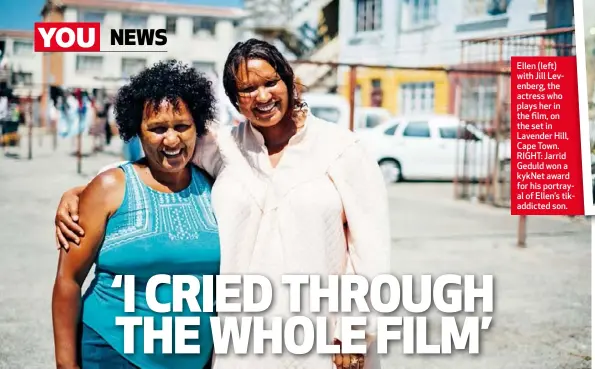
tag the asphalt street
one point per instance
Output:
(542, 317)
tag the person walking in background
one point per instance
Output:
(97, 129)
(108, 126)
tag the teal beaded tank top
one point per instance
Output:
(154, 233)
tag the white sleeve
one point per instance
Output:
(206, 153)
(360, 183)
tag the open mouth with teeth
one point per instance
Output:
(172, 153)
(266, 109)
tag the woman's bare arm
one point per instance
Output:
(97, 203)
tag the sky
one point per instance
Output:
(21, 14)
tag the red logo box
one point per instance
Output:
(67, 37)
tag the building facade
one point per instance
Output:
(425, 33)
(20, 67)
(302, 30)
(197, 35)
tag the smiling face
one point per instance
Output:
(168, 136)
(262, 94)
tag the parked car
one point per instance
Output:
(335, 108)
(425, 147)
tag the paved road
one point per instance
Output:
(543, 298)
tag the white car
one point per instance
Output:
(335, 108)
(425, 147)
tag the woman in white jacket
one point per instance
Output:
(293, 194)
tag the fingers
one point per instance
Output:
(349, 361)
(68, 234)
(60, 240)
(357, 362)
(71, 218)
(58, 245)
(74, 213)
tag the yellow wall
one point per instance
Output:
(391, 79)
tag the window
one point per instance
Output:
(132, 66)
(22, 47)
(327, 113)
(88, 63)
(416, 97)
(391, 130)
(373, 120)
(421, 12)
(368, 15)
(92, 17)
(203, 25)
(170, 25)
(22, 79)
(449, 133)
(376, 93)
(417, 129)
(482, 8)
(452, 133)
(478, 99)
(134, 21)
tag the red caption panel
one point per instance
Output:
(546, 152)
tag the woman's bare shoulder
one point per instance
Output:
(106, 190)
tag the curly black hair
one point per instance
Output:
(165, 80)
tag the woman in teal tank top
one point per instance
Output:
(150, 217)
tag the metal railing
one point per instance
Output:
(483, 100)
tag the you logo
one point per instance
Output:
(67, 36)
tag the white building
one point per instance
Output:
(198, 35)
(429, 33)
(20, 67)
(301, 29)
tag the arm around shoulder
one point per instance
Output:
(206, 154)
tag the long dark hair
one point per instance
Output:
(259, 49)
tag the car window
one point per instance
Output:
(373, 120)
(452, 133)
(448, 133)
(469, 136)
(417, 129)
(390, 131)
(327, 113)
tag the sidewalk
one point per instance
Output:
(542, 317)
(543, 292)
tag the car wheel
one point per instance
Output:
(391, 170)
